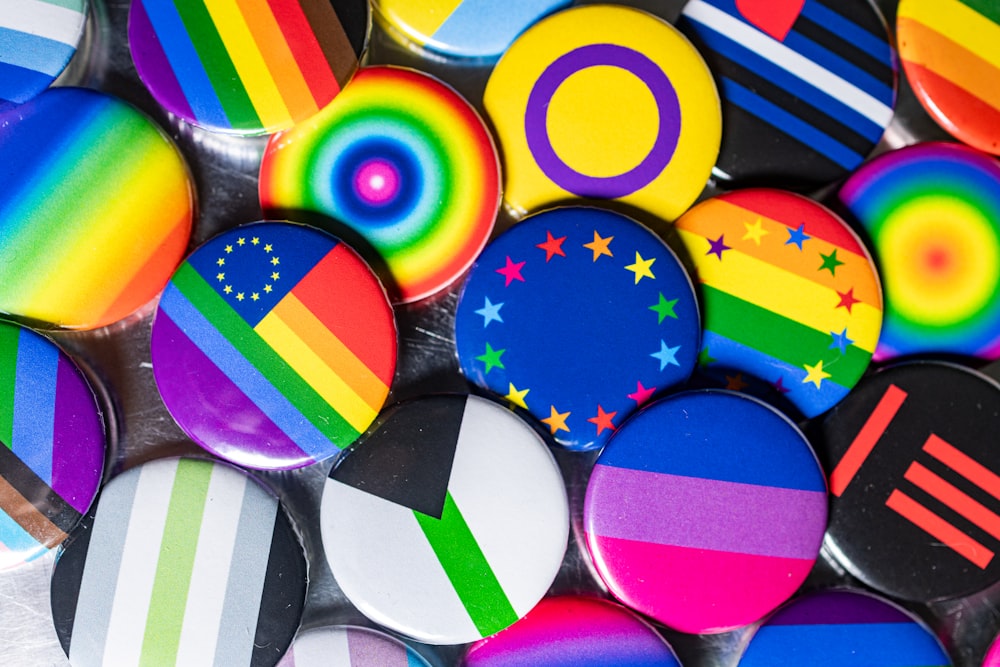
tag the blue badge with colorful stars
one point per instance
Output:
(577, 315)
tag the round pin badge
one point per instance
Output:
(274, 346)
(791, 298)
(620, 321)
(992, 658)
(604, 102)
(250, 67)
(574, 631)
(932, 212)
(39, 37)
(950, 54)
(841, 628)
(808, 87)
(95, 212)
(463, 28)
(449, 522)
(349, 646)
(914, 472)
(405, 163)
(182, 562)
(52, 445)
(703, 523)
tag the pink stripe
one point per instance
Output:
(367, 648)
(696, 590)
(705, 513)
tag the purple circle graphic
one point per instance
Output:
(605, 187)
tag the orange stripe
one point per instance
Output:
(936, 527)
(26, 515)
(716, 217)
(278, 57)
(864, 442)
(337, 357)
(964, 115)
(964, 465)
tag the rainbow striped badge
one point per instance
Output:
(274, 345)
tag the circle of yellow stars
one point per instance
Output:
(228, 250)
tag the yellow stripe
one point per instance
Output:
(959, 23)
(330, 386)
(787, 294)
(423, 18)
(249, 63)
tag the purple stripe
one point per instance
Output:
(247, 429)
(168, 89)
(367, 648)
(77, 438)
(838, 608)
(708, 514)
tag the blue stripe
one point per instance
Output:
(18, 540)
(18, 85)
(846, 70)
(33, 52)
(185, 63)
(487, 27)
(847, 645)
(35, 403)
(841, 26)
(790, 124)
(244, 375)
(804, 90)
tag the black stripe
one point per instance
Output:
(283, 597)
(879, 69)
(34, 489)
(353, 15)
(67, 577)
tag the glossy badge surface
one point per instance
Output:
(463, 28)
(51, 445)
(182, 562)
(577, 315)
(950, 51)
(790, 296)
(249, 67)
(405, 164)
(37, 40)
(841, 628)
(808, 87)
(915, 478)
(347, 646)
(705, 511)
(932, 212)
(95, 210)
(274, 345)
(604, 102)
(449, 522)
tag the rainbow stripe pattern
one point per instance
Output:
(840, 628)
(95, 212)
(274, 346)
(705, 524)
(37, 40)
(950, 51)
(403, 161)
(51, 445)
(575, 631)
(349, 646)
(932, 211)
(247, 66)
(791, 297)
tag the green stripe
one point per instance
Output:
(218, 65)
(175, 563)
(467, 568)
(780, 337)
(8, 369)
(75, 5)
(263, 357)
(988, 8)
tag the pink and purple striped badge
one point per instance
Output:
(705, 524)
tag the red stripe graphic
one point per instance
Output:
(864, 442)
(939, 529)
(964, 465)
(954, 498)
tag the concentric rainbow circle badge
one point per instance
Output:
(932, 211)
(404, 162)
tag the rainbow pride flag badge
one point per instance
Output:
(249, 67)
(95, 210)
(705, 511)
(349, 646)
(449, 522)
(274, 345)
(52, 443)
(792, 305)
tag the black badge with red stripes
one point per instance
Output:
(913, 458)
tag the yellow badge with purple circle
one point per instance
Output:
(604, 102)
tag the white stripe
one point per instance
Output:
(383, 562)
(216, 542)
(140, 556)
(789, 60)
(42, 19)
(512, 496)
(322, 647)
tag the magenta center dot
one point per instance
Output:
(376, 181)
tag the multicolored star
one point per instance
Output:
(779, 385)
(666, 355)
(641, 268)
(847, 300)
(511, 271)
(664, 308)
(840, 341)
(798, 236)
(815, 374)
(736, 382)
(490, 312)
(705, 357)
(641, 394)
(556, 421)
(552, 246)
(600, 245)
(491, 358)
(717, 246)
(516, 396)
(830, 262)
(603, 420)
(755, 231)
